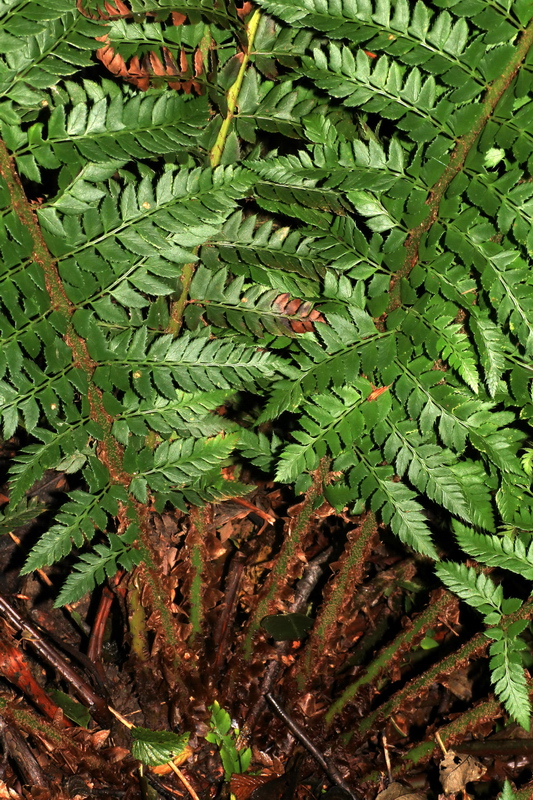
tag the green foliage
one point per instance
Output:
(507, 671)
(26, 512)
(336, 234)
(155, 748)
(507, 793)
(225, 735)
(75, 711)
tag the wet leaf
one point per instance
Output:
(397, 791)
(243, 787)
(75, 711)
(154, 748)
(287, 627)
(458, 769)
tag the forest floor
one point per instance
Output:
(390, 698)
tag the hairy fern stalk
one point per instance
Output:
(332, 213)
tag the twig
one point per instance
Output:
(440, 743)
(96, 638)
(171, 764)
(331, 771)
(309, 580)
(16, 747)
(184, 780)
(229, 610)
(304, 587)
(270, 518)
(387, 757)
(32, 635)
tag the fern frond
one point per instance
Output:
(20, 515)
(247, 308)
(426, 466)
(174, 465)
(508, 677)
(34, 459)
(212, 487)
(336, 361)
(406, 518)
(43, 49)
(93, 568)
(186, 415)
(278, 109)
(515, 554)
(507, 281)
(269, 255)
(76, 523)
(100, 123)
(381, 25)
(194, 362)
(382, 87)
(507, 792)
(476, 589)
(259, 449)
(276, 44)
(459, 416)
(477, 482)
(225, 15)
(455, 348)
(515, 501)
(491, 346)
(280, 190)
(329, 422)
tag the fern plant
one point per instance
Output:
(336, 221)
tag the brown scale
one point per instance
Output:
(142, 72)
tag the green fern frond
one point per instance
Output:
(456, 350)
(278, 109)
(476, 589)
(477, 482)
(259, 449)
(243, 307)
(270, 255)
(508, 676)
(515, 554)
(77, 522)
(382, 24)
(506, 278)
(224, 15)
(514, 500)
(492, 348)
(527, 462)
(507, 792)
(196, 362)
(34, 459)
(174, 465)
(329, 423)
(331, 357)
(99, 122)
(186, 415)
(93, 568)
(383, 86)
(20, 515)
(406, 518)
(42, 44)
(426, 466)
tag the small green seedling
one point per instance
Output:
(225, 736)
